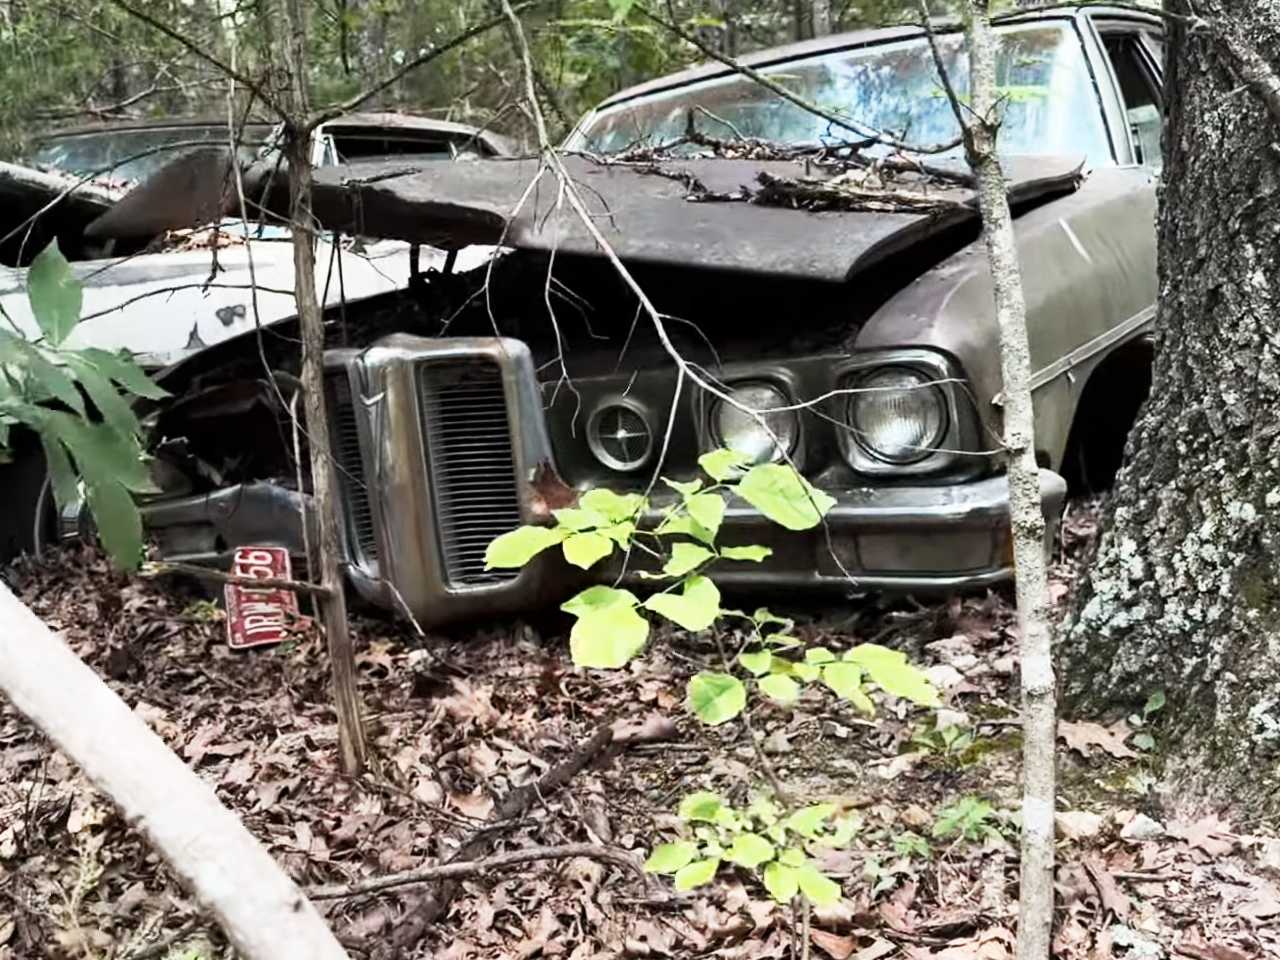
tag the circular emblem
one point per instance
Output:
(620, 436)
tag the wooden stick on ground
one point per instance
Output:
(265, 916)
(454, 870)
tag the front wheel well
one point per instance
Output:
(1105, 414)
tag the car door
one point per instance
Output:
(1135, 56)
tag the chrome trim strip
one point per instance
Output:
(1083, 352)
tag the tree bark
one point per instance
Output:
(1039, 719)
(351, 741)
(265, 916)
(1184, 592)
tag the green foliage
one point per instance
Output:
(1144, 740)
(969, 818)
(96, 446)
(762, 839)
(612, 627)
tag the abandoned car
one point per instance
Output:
(862, 330)
(163, 296)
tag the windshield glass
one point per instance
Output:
(1049, 103)
(82, 154)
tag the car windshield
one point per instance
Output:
(1049, 103)
(87, 153)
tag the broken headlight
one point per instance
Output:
(743, 433)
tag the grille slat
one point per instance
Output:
(350, 468)
(473, 471)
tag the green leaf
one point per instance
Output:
(750, 850)
(792, 857)
(124, 371)
(576, 519)
(685, 558)
(515, 549)
(805, 671)
(819, 889)
(785, 497)
(61, 473)
(845, 828)
(670, 857)
(757, 663)
(893, 674)
(686, 525)
(1155, 703)
(844, 679)
(42, 373)
(584, 549)
(597, 598)
(707, 510)
(781, 881)
(819, 655)
(115, 410)
(101, 454)
(696, 608)
(723, 464)
(608, 638)
(55, 294)
(615, 507)
(702, 805)
(780, 688)
(683, 487)
(118, 521)
(619, 533)
(696, 874)
(716, 697)
(753, 553)
(807, 821)
(1144, 741)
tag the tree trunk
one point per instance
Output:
(351, 740)
(1184, 592)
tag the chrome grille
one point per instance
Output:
(352, 485)
(473, 471)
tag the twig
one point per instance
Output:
(204, 55)
(456, 870)
(163, 568)
(346, 106)
(412, 929)
(870, 134)
(162, 946)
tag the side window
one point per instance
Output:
(1141, 95)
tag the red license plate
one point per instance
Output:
(257, 616)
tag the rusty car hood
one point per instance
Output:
(645, 213)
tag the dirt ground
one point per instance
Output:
(460, 722)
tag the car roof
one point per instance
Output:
(852, 40)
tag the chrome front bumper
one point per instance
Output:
(440, 445)
(923, 540)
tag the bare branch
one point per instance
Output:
(204, 55)
(351, 103)
(470, 868)
(868, 133)
(207, 573)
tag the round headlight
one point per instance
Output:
(742, 433)
(898, 417)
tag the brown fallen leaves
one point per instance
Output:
(456, 729)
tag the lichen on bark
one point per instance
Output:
(1184, 592)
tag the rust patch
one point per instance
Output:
(549, 492)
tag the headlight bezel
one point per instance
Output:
(943, 378)
(780, 380)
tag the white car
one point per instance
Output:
(163, 298)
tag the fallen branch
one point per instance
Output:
(166, 568)
(456, 870)
(513, 806)
(264, 914)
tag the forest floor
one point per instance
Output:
(457, 725)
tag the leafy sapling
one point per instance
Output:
(969, 818)
(680, 541)
(763, 840)
(75, 400)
